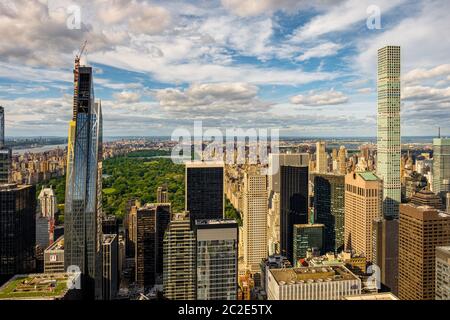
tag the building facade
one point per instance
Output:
(362, 207)
(421, 230)
(5, 153)
(329, 200)
(179, 275)
(204, 194)
(110, 265)
(321, 157)
(306, 237)
(82, 209)
(217, 259)
(441, 166)
(388, 136)
(442, 273)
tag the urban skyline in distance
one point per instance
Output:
(291, 65)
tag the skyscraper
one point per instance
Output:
(342, 156)
(110, 265)
(276, 160)
(321, 157)
(329, 195)
(82, 216)
(204, 190)
(254, 219)
(5, 153)
(17, 229)
(47, 202)
(388, 136)
(150, 225)
(441, 166)
(362, 207)
(179, 259)
(162, 194)
(217, 259)
(421, 230)
(293, 204)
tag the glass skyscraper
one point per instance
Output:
(82, 215)
(388, 143)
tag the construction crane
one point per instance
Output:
(76, 74)
(80, 53)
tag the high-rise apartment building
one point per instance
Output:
(329, 200)
(110, 265)
(151, 222)
(204, 193)
(321, 157)
(307, 237)
(17, 229)
(294, 204)
(362, 207)
(179, 275)
(388, 136)
(217, 259)
(443, 273)
(162, 194)
(254, 219)
(441, 166)
(47, 202)
(82, 210)
(421, 230)
(5, 153)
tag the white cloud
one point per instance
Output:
(416, 75)
(323, 98)
(127, 96)
(322, 50)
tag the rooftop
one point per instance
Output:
(312, 274)
(41, 286)
(57, 245)
(214, 221)
(368, 176)
(373, 296)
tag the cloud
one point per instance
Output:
(340, 17)
(365, 90)
(426, 93)
(212, 99)
(127, 96)
(420, 74)
(323, 98)
(320, 51)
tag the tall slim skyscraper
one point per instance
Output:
(441, 166)
(217, 259)
(47, 202)
(17, 229)
(421, 230)
(110, 266)
(179, 275)
(321, 157)
(150, 225)
(293, 204)
(329, 198)
(254, 219)
(204, 190)
(5, 153)
(362, 207)
(388, 136)
(82, 215)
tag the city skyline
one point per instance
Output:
(181, 62)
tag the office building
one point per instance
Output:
(373, 296)
(342, 160)
(110, 264)
(312, 283)
(204, 194)
(321, 157)
(110, 225)
(18, 229)
(272, 262)
(427, 198)
(54, 257)
(441, 166)
(82, 209)
(362, 207)
(307, 237)
(254, 219)
(294, 204)
(421, 230)
(276, 160)
(179, 275)
(443, 273)
(47, 203)
(217, 259)
(5, 153)
(273, 224)
(329, 200)
(385, 251)
(151, 222)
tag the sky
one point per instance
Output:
(307, 68)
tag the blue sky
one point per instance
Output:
(307, 68)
